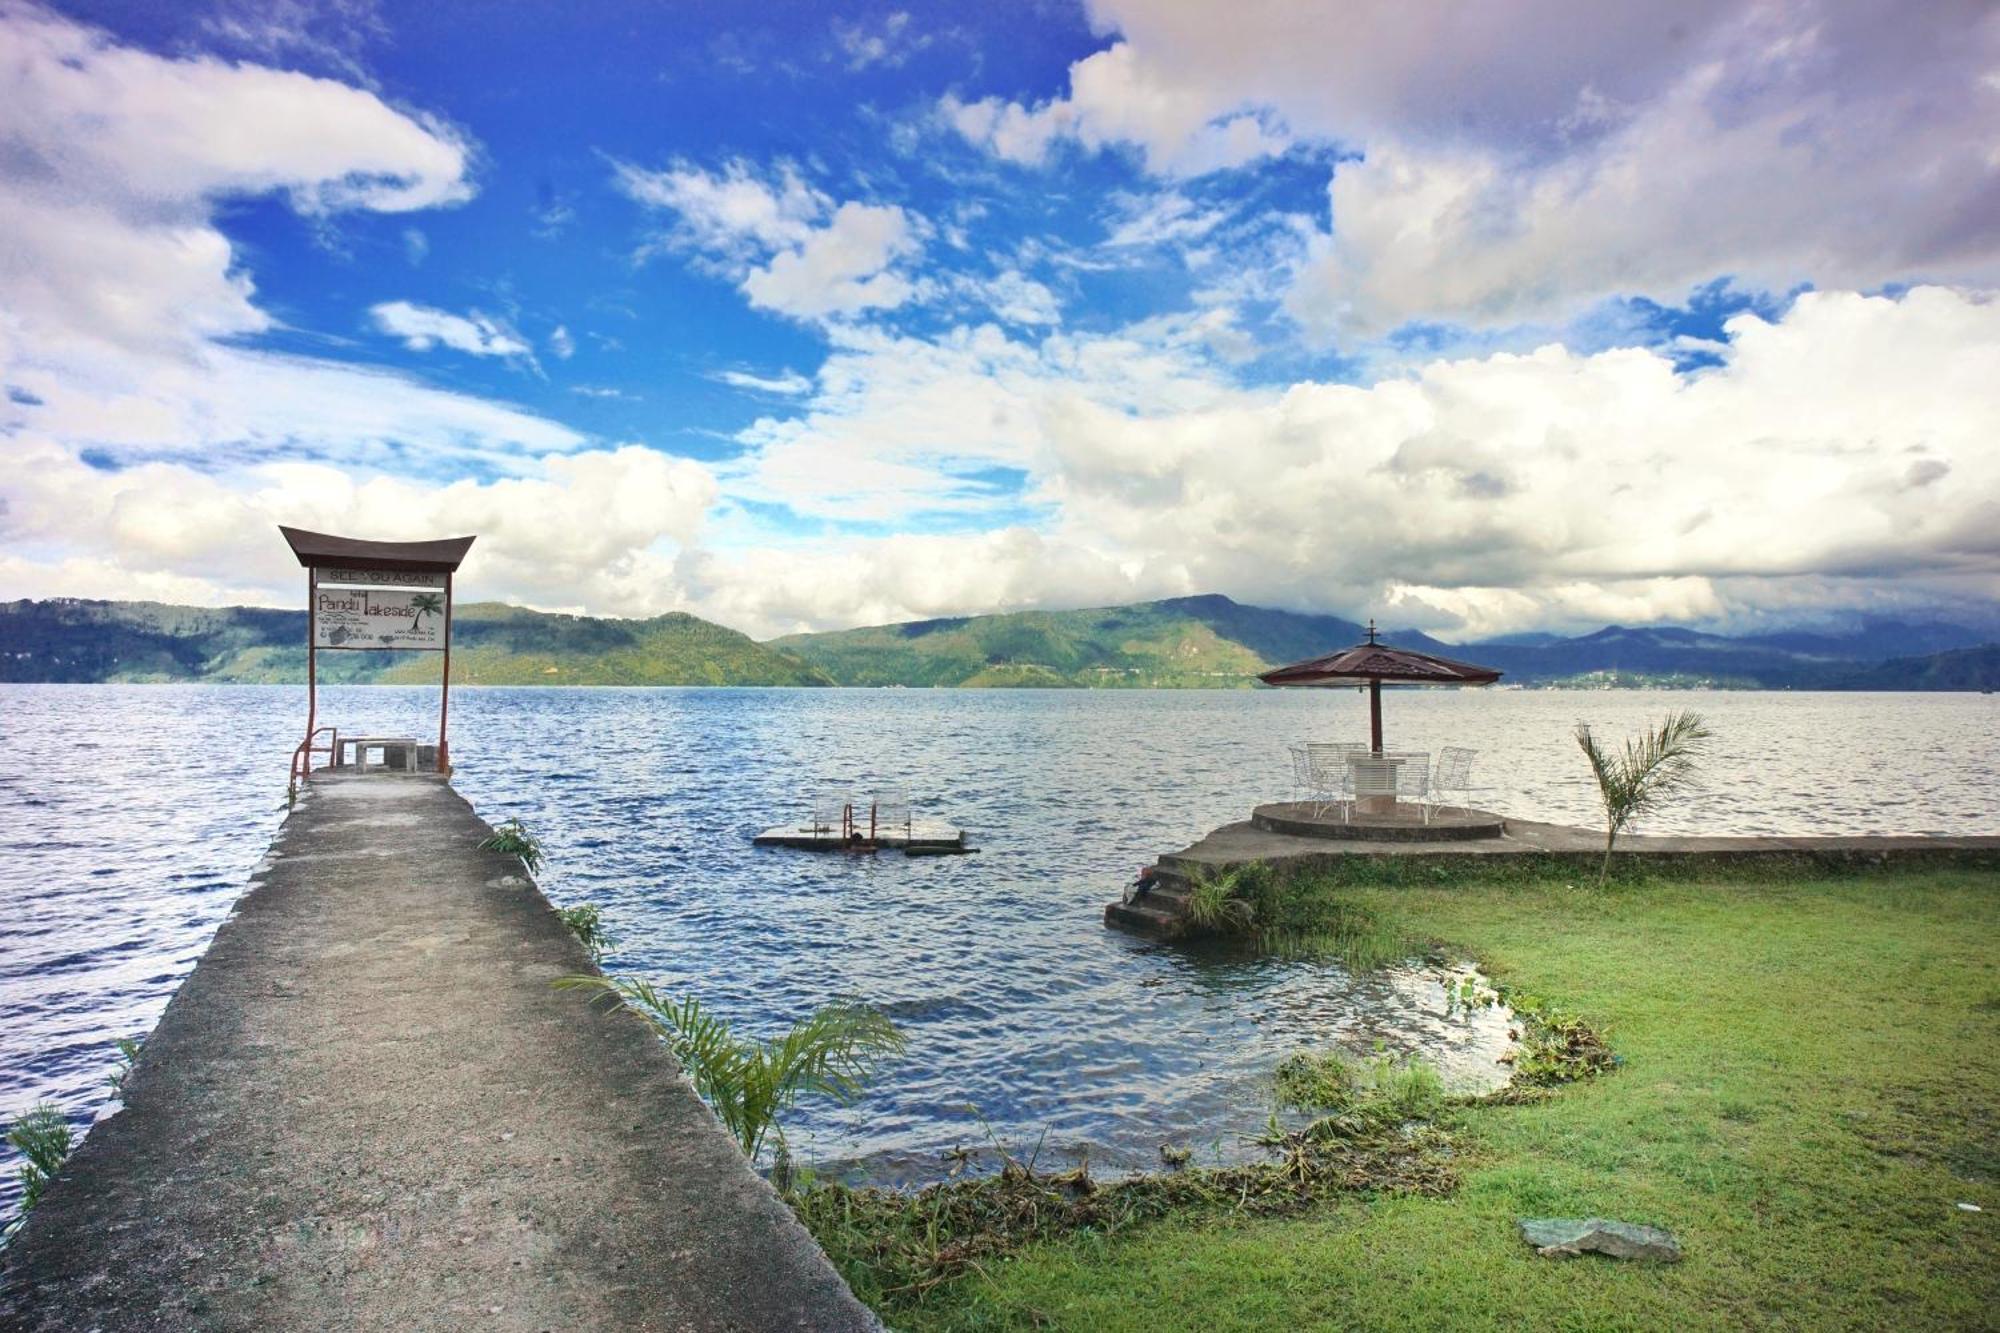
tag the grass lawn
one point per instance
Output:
(1811, 1085)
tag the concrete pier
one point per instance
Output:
(1279, 835)
(368, 1109)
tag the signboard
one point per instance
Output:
(381, 578)
(399, 618)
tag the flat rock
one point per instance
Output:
(1566, 1237)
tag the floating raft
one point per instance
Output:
(921, 837)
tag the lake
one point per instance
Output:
(134, 814)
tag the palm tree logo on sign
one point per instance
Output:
(424, 604)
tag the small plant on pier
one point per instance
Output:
(834, 1051)
(586, 922)
(513, 839)
(43, 1138)
(128, 1055)
(1636, 779)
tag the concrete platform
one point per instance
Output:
(1157, 914)
(1405, 823)
(368, 1109)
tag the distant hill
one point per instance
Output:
(1214, 642)
(1183, 642)
(1960, 669)
(67, 639)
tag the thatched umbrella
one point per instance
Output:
(1370, 664)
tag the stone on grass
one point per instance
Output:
(1566, 1237)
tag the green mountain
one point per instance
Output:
(1183, 642)
(1217, 643)
(66, 639)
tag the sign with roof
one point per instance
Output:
(366, 595)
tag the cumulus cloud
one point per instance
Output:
(1839, 451)
(117, 291)
(1518, 160)
(423, 327)
(598, 527)
(1117, 97)
(841, 268)
(788, 246)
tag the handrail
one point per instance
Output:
(302, 755)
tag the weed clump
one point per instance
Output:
(586, 922)
(513, 839)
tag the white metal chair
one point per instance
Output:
(1413, 780)
(1332, 776)
(1453, 775)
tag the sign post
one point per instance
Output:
(368, 596)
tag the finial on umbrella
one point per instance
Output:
(1371, 629)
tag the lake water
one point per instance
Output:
(133, 815)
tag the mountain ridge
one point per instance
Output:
(1205, 641)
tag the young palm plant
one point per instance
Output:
(43, 1138)
(1636, 779)
(833, 1051)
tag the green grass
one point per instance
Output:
(1810, 1077)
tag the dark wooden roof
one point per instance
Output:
(315, 549)
(1378, 661)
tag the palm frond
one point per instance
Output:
(832, 1052)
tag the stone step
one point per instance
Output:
(1141, 918)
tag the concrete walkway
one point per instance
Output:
(368, 1109)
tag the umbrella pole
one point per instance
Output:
(1375, 715)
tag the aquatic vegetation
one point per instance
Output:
(1557, 1046)
(747, 1082)
(895, 1247)
(513, 839)
(586, 922)
(43, 1138)
(1362, 1096)
(1645, 772)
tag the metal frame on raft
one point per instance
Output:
(357, 593)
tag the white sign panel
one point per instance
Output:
(377, 618)
(382, 578)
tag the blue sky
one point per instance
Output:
(807, 315)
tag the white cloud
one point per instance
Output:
(736, 213)
(562, 343)
(423, 327)
(1527, 158)
(1498, 492)
(115, 284)
(1117, 98)
(842, 268)
(583, 528)
(1014, 298)
(789, 384)
(890, 43)
(738, 217)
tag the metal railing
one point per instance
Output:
(302, 756)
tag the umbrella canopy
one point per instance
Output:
(1370, 664)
